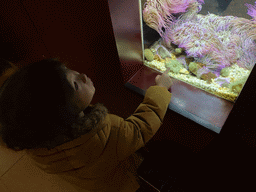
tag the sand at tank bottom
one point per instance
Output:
(236, 73)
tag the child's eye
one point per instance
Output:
(76, 86)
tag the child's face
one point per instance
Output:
(83, 86)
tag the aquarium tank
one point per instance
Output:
(208, 51)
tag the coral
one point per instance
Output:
(225, 72)
(175, 65)
(195, 66)
(149, 55)
(223, 82)
(189, 60)
(208, 77)
(178, 50)
(237, 86)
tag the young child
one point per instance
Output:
(45, 110)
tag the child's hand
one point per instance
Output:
(164, 80)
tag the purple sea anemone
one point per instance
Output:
(213, 40)
(251, 10)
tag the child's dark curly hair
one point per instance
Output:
(36, 107)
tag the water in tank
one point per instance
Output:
(205, 48)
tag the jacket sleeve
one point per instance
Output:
(139, 128)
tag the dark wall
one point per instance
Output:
(19, 40)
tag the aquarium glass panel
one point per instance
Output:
(209, 44)
(202, 47)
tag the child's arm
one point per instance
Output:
(135, 131)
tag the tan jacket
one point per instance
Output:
(104, 159)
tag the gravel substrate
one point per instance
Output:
(236, 73)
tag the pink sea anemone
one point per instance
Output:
(153, 19)
(231, 53)
(157, 14)
(251, 10)
(243, 26)
(213, 40)
(178, 6)
(248, 57)
(195, 38)
(219, 59)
